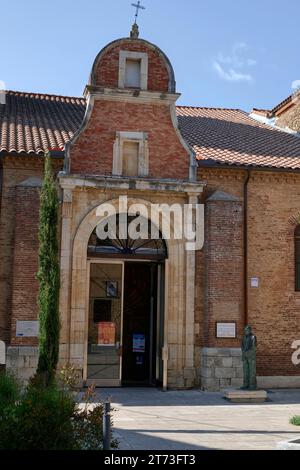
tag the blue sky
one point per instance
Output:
(226, 53)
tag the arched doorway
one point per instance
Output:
(126, 303)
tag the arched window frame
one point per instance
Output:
(128, 248)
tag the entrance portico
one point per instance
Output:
(82, 200)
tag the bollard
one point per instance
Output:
(106, 426)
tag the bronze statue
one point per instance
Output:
(249, 344)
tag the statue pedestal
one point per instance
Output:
(245, 396)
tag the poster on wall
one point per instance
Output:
(106, 334)
(139, 343)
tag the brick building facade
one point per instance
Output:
(157, 314)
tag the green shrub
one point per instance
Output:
(41, 419)
(48, 418)
(10, 390)
(88, 428)
(88, 422)
(295, 420)
(69, 377)
(49, 277)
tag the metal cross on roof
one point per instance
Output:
(138, 7)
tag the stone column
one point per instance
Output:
(65, 276)
(189, 370)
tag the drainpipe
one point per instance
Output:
(246, 247)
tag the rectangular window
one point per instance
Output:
(133, 73)
(131, 154)
(133, 70)
(130, 158)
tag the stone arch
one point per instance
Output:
(174, 289)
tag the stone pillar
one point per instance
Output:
(189, 370)
(223, 291)
(65, 277)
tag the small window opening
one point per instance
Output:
(133, 74)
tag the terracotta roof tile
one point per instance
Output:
(31, 123)
(231, 137)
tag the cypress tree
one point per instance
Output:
(49, 277)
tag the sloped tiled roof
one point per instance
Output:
(31, 123)
(230, 136)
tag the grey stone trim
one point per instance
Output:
(143, 57)
(143, 160)
(188, 149)
(131, 95)
(123, 182)
(87, 115)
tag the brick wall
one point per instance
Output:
(274, 307)
(25, 264)
(231, 182)
(223, 267)
(107, 72)
(93, 151)
(15, 170)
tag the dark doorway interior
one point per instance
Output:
(139, 324)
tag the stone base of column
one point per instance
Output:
(22, 361)
(221, 368)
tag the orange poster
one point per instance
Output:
(106, 333)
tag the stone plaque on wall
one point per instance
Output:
(27, 329)
(226, 330)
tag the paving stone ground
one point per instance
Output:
(150, 419)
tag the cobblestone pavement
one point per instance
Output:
(151, 419)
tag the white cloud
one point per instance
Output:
(233, 67)
(2, 92)
(231, 75)
(296, 85)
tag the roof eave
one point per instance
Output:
(54, 154)
(227, 166)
